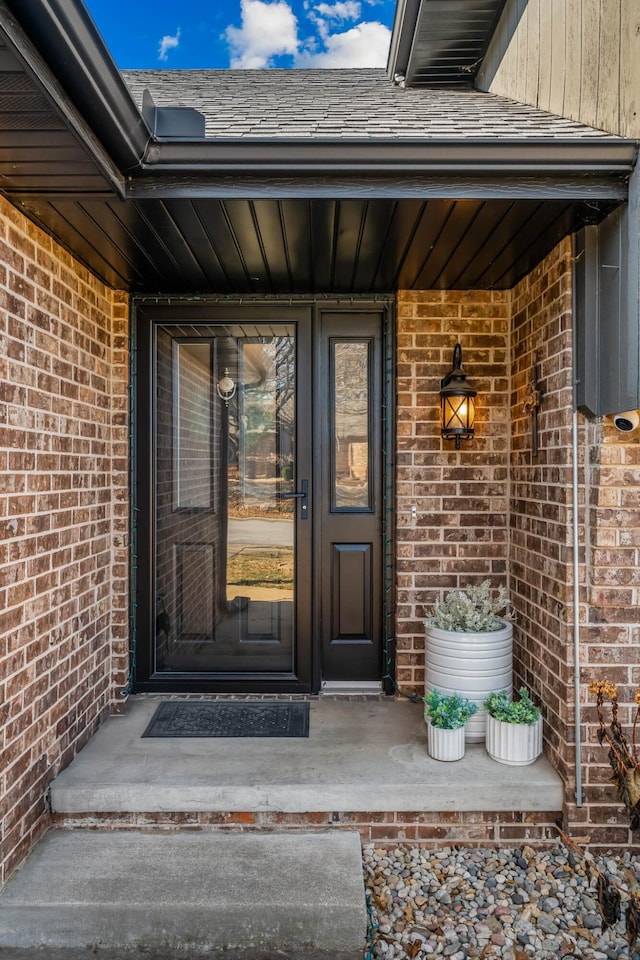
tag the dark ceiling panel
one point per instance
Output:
(286, 247)
(377, 227)
(348, 243)
(533, 231)
(398, 242)
(451, 238)
(483, 226)
(192, 227)
(322, 232)
(535, 241)
(227, 250)
(433, 219)
(268, 219)
(497, 238)
(84, 234)
(184, 268)
(122, 228)
(240, 216)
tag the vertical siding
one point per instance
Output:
(577, 58)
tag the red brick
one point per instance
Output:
(46, 361)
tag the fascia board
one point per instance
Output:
(402, 36)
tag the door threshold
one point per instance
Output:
(351, 688)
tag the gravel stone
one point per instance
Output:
(457, 903)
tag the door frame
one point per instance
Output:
(305, 312)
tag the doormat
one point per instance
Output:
(237, 718)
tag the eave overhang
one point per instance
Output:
(67, 53)
(441, 42)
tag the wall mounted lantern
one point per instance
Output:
(457, 403)
(226, 387)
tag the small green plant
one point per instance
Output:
(502, 707)
(472, 610)
(448, 712)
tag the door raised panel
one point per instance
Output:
(351, 592)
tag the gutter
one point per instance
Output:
(88, 75)
(473, 156)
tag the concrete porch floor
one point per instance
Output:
(361, 755)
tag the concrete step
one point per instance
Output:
(337, 768)
(113, 894)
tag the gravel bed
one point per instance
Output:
(513, 904)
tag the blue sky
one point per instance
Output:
(245, 33)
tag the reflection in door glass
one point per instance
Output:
(224, 531)
(351, 424)
(192, 441)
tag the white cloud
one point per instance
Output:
(268, 30)
(341, 10)
(365, 45)
(168, 43)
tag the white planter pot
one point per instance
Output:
(514, 743)
(471, 664)
(445, 744)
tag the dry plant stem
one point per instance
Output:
(624, 762)
(634, 744)
(594, 869)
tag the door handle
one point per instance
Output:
(300, 495)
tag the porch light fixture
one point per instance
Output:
(457, 403)
(226, 387)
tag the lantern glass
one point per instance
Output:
(458, 416)
(457, 403)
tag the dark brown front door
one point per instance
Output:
(349, 484)
(259, 497)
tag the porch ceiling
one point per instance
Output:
(289, 246)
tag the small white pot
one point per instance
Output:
(445, 744)
(517, 744)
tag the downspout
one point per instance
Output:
(576, 608)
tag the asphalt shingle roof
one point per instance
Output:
(343, 103)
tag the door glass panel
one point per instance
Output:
(350, 424)
(224, 531)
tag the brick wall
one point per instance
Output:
(428, 829)
(459, 535)
(541, 549)
(497, 509)
(540, 562)
(63, 517)
(610, 630)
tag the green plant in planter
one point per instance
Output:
(474, 609)
(501, 707)
(448, 713)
